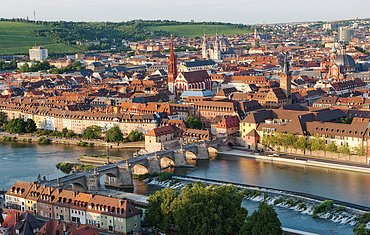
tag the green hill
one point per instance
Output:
(18, 37)
(197, 30)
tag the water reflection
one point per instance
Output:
(341, 185)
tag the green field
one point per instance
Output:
(18, 37)
(197, 30)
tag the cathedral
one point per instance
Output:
(218, 50)
(339, 64)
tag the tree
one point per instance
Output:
(263, 221)
(346, 120)
(360, 150)
(114, 134)
(332, 147)
(317, 143)
(344, 149)
(64, 132)
(193, 122)
(92, 132)
(198, 209)
(159, 212)
(30, 126)
(288, 140)
(16, 125)
(361, 229)
(25, 68)
(208, 210)
(301, 143)
(3, 119)
(135, 136)
(70, 134)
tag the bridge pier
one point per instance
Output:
(93, 182)
(202, 152)
(122, 181)
(154, 165)
(179, 158)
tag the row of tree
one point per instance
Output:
(75, 66)
(44, 66)
(17, 125)
(201, 209)
(114, 134)
(38, 66)
(8, 66)
(312, 144)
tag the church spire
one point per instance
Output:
(204, 46)
(172, 68)
(286, 80)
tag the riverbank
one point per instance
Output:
(299, 160)
(28, 138)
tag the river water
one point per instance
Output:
(27, 161)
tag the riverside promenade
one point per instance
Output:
(301, 160)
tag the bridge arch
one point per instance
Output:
(77, 186)
(191, 154)
(139, 169)
(212, 149)
(166, 162)
(108, 178)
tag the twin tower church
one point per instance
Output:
(200, 79)
(218, 49)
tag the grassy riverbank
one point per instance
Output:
(68, 167)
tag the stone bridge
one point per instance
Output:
(119, 174)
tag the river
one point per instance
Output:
(24, 162)
(27, 161)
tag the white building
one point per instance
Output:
(38, 53)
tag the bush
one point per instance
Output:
(164, 176)
(251, 193)
(361, 229)
(302, 206)
(323, 207)
(290, 202)
(67, 167)
(134, 136)
(278, 201)
(7, 138)
(44, 140)
(82, 144)
(340, 209)
(141, 177)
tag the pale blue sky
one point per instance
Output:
(235, 11)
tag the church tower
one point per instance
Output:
(286, 80)
(172, 69)
(216, 50)
(204, 48)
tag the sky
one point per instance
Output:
(233, 11)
